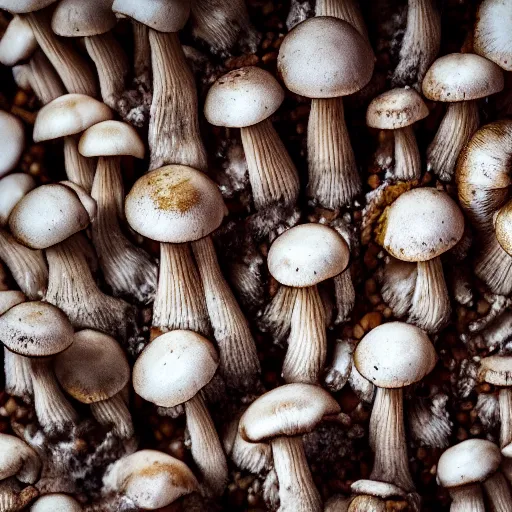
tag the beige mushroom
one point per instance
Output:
(12, 141)
(17, 43)
(56, 502)
(18, 459)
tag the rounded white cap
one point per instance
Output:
(18, 459)
(18, 42)
(12, 141)
(56, 503)
(12, 188)
(23, 6)
(76, 18)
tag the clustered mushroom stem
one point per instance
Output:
(278, 314)
(407, 155)
(79, 169)
(494, 266)
(43, 79)
(388, 441)
(113, 412)
(468, 498)
(173, 136)
(18, 375)
(141, 54)
(505, 400)
(297, 490)
(345, 296)
(498, 492)
(347, 10)
(11, 498)
(206, 447)
(333, 176)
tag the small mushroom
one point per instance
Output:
(12, 141)
(371, 495)
(12, 189)
(17, 43)
(347, 10)
(18, 459)
(56, 502)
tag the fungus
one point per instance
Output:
(56, 502)
(17, 43)
(12, 141)
(12, 188)
(18, 459)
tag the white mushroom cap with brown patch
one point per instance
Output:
(12, 141)
(24, 6)
(496, 370)
(56, 503)
(18, 459)
(18, 42)
(76, 18)
(9, 299)
(12, 188)
(377, 489)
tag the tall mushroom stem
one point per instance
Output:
(498, 493)
(79, 169)
(345, 296)
(278, 314)
(18, 375)
(505, 400)
(407, 155)
(388, 441)
(347, 10)
(494, 266)
(468, 498)
(333, 176)
(141, 54)
(272, 174)
(297, 490)
(173, 136)
(206, 447)
(114, 412)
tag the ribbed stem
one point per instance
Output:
(12, 498)
(347, 10)
(297, 491)
(333, 176)
(498, 493)
(44, 80)
(114, 413)
(467, 499)
(272, 174)
(173, 136)
(79, 169)
(18, 375)
(407, 155)
(278, 314)
(505, 399)
(345, 296)
(493, 265)
(141, 53)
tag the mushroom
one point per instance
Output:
(17, 43)
(177, 205)
(94, 370)
(459, 79)
(12, 188)
(281, 417)
(56, 502)
(13, 498)
(311, 65)
(371, 495)
(245, 98)
(12, 141)
(171, 371)
(173, 136)
(347, 10)
(392, 356)
(18, 459)
(419, 226)
(127, 269)
(398, 110)
(300, 259)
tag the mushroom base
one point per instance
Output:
(398, 285)
(79, 169)
(18, 375)
(113, 412)
(498, 493)
(278, 314)
(407, 155)
(467, 499)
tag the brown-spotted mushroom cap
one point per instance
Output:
(9, 299)
(12, 141)
(496, 370)
(12, 188)
(24, 6)
(422, 224)
(18, 459)
(325, 57)
(308, 254)
(56, 503)
(243, 97)
(18, 42)
(76, 18)
(174, 204)
(395, 355)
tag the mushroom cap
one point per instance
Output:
(377, 489)
(18, 42)
(289, 410)
(243, 97)
(469, 462)
(35, 329)
(395, 355)
(496, 370)
(160, 15)
(422, 224)
(56, 503)
(325, 57)
(462, 77)
(12, 188)
(111, 138)
(15, 454)
(174, 204)
(68, 115)
(12, 141)
(24, 6)
(503, 227)
(9, 299)
(174, 367)
(396, 108)
(307, 254)
(48, 215)
(76, 18)
(93, 368)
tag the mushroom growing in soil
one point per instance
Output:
(392, 356)
(311, 65)
(171, 371)
(12, 141)
(245, 98)
(56, 502)
(280, 417)
(420, 226)
(127, 269)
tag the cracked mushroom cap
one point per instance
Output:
(421, 224)
(289, 410)
(243, 97)
(12, 188)
(325, 57)
(56, 503)
(12, 141)
(93, 368)
(496, 370)
(68, 115)
(24, 6)
(48, 215)
(395, 355)
(396, 108)
(308, 254)
(18, 42)
(76, 18)
(35, 329)
(18, 459)
(174, 204)
(469, 462)
(174, 367)
(378, 489)
(9, 299)
(462, 77)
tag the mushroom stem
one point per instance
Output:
(468, 498)
(347, 10)
(239, 364)
(12, 499)
(18, 375)
(206, 447)
(173, 136)
(505, 400)
(272, 173)
(297, 490)
(345, 296)
(79, 169)
(458, 125)
(278, 313)
(333, 176)
(398, 285)
(407, 155)
(141, 54)
(498, 493)
(388, 441)
(113, 412)
(493, 265)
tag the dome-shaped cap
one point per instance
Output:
(174, 204)
(23, 6)
(111, 138)
(174, 367)
(308, 254)
(469, 462)
(462, 77)
(377, 489)
(18, 42)
(396, 108)
(76, 18)
(12, 141)
(68, 115)
(12, 188)
(9, 299)
(496, 370)
(503, 227)
(395, 355)
(243, 97)
(56, 503)
(48, 215)
(18, 458)
(289, 410)
(93, 368)
(35, 329)
(325, 57)
(421, 224)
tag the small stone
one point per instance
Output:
(358, 332)
(371, 320)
